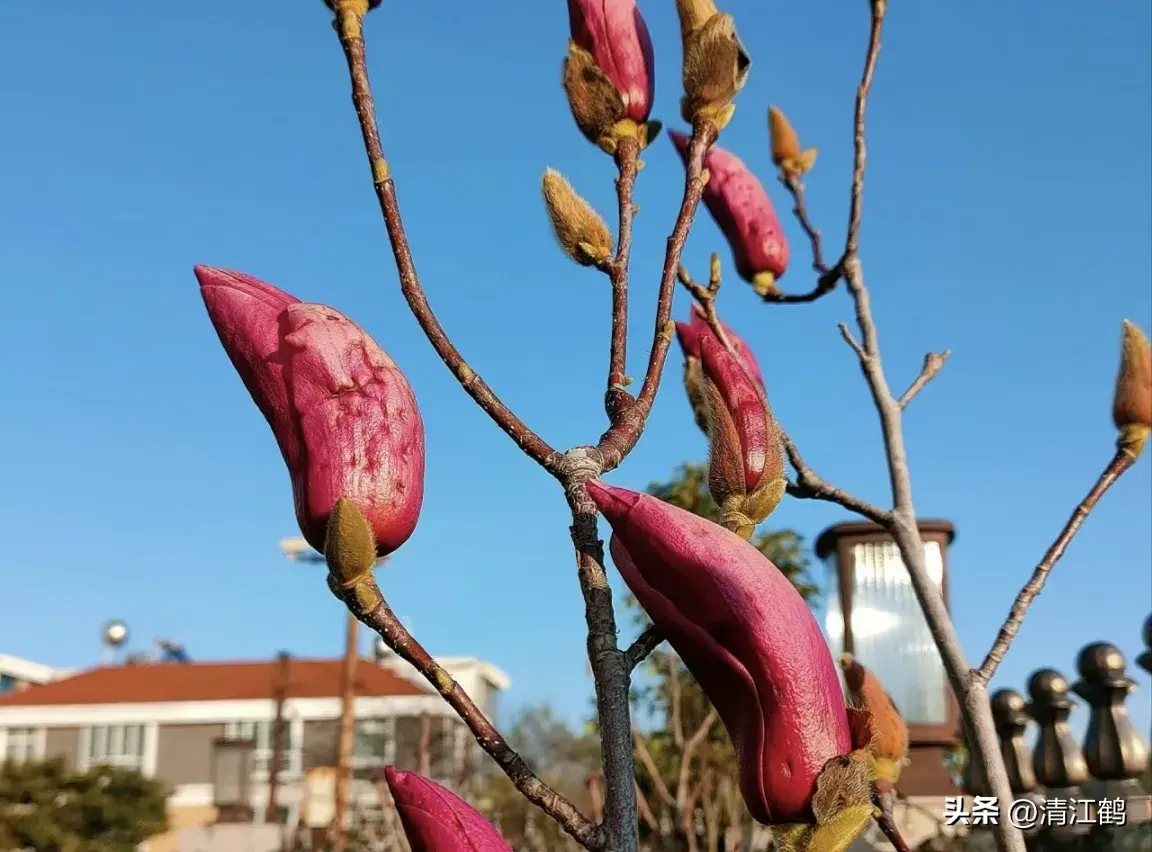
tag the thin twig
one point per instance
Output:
(616, 398)
(688, 752)
(933, 363)
(644, 645)
(383, 620)
(645, 810)
(829, 277)
(888, 825)
(810, 486)
(972, 694)
(1120, 463)
(622, 436)
(349, 26)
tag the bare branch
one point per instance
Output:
(622, 436)
(645, 809)
(971, 692)
(810, 486)
(888, 825)
(611, 676)
(349, 26)
(828, 277)
(933, 364)
(644, 645)
(617, 399)
(675, 700)
(383, 620)
(689, 752)
(1120, 463)
(853, 342)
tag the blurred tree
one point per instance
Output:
(46, 807)
(689, 792)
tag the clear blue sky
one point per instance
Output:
(1007, 218)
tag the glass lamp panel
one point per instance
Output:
(890, 634)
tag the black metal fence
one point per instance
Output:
(1070, 797)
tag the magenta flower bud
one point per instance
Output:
(750, 641)
(741, 207)
(690, 334)
(343, 414)
(437, 820)
(746, 459)
(614, 33)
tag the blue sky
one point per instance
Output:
(1007, 218)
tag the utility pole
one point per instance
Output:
(280, 693)
(347, 732)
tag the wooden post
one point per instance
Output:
(280, 692)
(347, 733)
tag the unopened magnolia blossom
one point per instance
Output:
(744, 212)
(437, 820)
(749, 639)
(609, 74)
(689, 334)
(746, 456)
(343, 414)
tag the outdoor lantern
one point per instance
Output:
(231, 779)
(873, 614)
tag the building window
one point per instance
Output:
(7, 683)
(116, 745)
(262, 733)
(21, 744)
(373, 742)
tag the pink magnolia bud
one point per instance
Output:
(437, 820)
(746, 460)
(343, 414)
(751, 642)
(690, 334)
(741, 207)
(614, 33)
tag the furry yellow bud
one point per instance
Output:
(350, 550)
(1132, 401)
(579, 229)
(715, 63)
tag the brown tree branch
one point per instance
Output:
(891, 831)
(379, 617)
(828, 277)
(1115, 469)
(349, 26)
(809, 485)
(645, 810)
(675, 700)
(621, 437)
(616, 398)
(972, 694)
(933, 363)
(644, 645)
(611, 675)
(688, 752)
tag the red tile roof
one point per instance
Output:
(156, 682)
